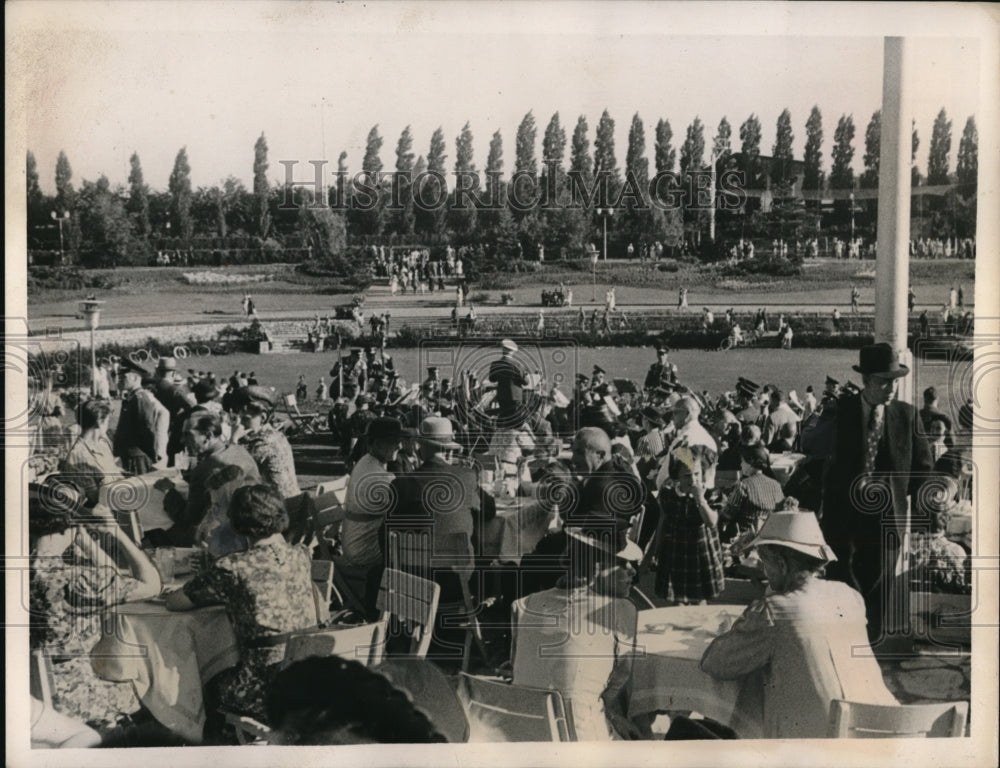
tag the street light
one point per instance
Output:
(91, 309)
(852, 219)
(60, 219)
(604, 213)
(593, 266)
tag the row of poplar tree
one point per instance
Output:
(119, 225)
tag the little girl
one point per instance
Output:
(687, 552)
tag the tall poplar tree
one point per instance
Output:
(261, 188)
(812, 176)
(937, 157)
(781, 152)
(750, 134)
(180, 197)
(138, 199)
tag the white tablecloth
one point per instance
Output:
(140, 493)
(168, 656)
(666, 677)
(519, 525)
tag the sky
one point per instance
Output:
(103, 80)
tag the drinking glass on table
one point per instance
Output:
(164, 558)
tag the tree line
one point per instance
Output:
(101, 224)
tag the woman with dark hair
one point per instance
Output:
(268, 447)
(266, 590)
(332, 700)
(74, 577)
(802, 638)
(755, 495)
(90, 462)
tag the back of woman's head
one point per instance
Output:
(52, 506)
(331, 700)
(91, 412)
(257, 511)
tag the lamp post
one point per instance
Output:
(59, 219)
(852, 219)
(604, 213)
(593, 266)
(91, 309)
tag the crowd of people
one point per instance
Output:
(656, 477)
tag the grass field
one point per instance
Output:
(714, 371)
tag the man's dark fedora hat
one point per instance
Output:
(880, 359)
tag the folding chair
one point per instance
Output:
(41, 682)
(409, 600)
(128, 519)
(325, 591)
(301, 423)
(411, 551)
(853, 720)
(364, 643)
(519, 712)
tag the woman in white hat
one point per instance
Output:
(806, 638)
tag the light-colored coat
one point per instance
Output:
(807, 647)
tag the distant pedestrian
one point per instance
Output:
(953, 298)
(251, 311)
(322, 393)
(244, 304)
(302, 389)
(541, 322)
(583, 320)
(836, 320)
(924, 324)
(961, 298)
(855, 296)
(786, 337)
(682, 299)
(911, 300)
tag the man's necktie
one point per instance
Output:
(874, 435)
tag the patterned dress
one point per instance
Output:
(267, 591)
(68, 594)
(273, 454)
(690, 555)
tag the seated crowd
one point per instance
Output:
(662, 479)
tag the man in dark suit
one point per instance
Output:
(443, 497)
(662, 372)
(878, 460)
(510, 378)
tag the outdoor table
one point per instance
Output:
(140, 494)
(520, 524)
(168, 656)
(783, 464)
(666, 675)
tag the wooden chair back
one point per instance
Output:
(853, 720)
(128, 519)
(411, 601)
(41, 682)
(364, 643)
(520, 713)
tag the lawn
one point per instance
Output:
(714, 371)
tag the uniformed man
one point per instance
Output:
(177, 399)
(510, 379)
(747, 406)
(143, 427)
(662, 371)
(599, 387)
(432, 384)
